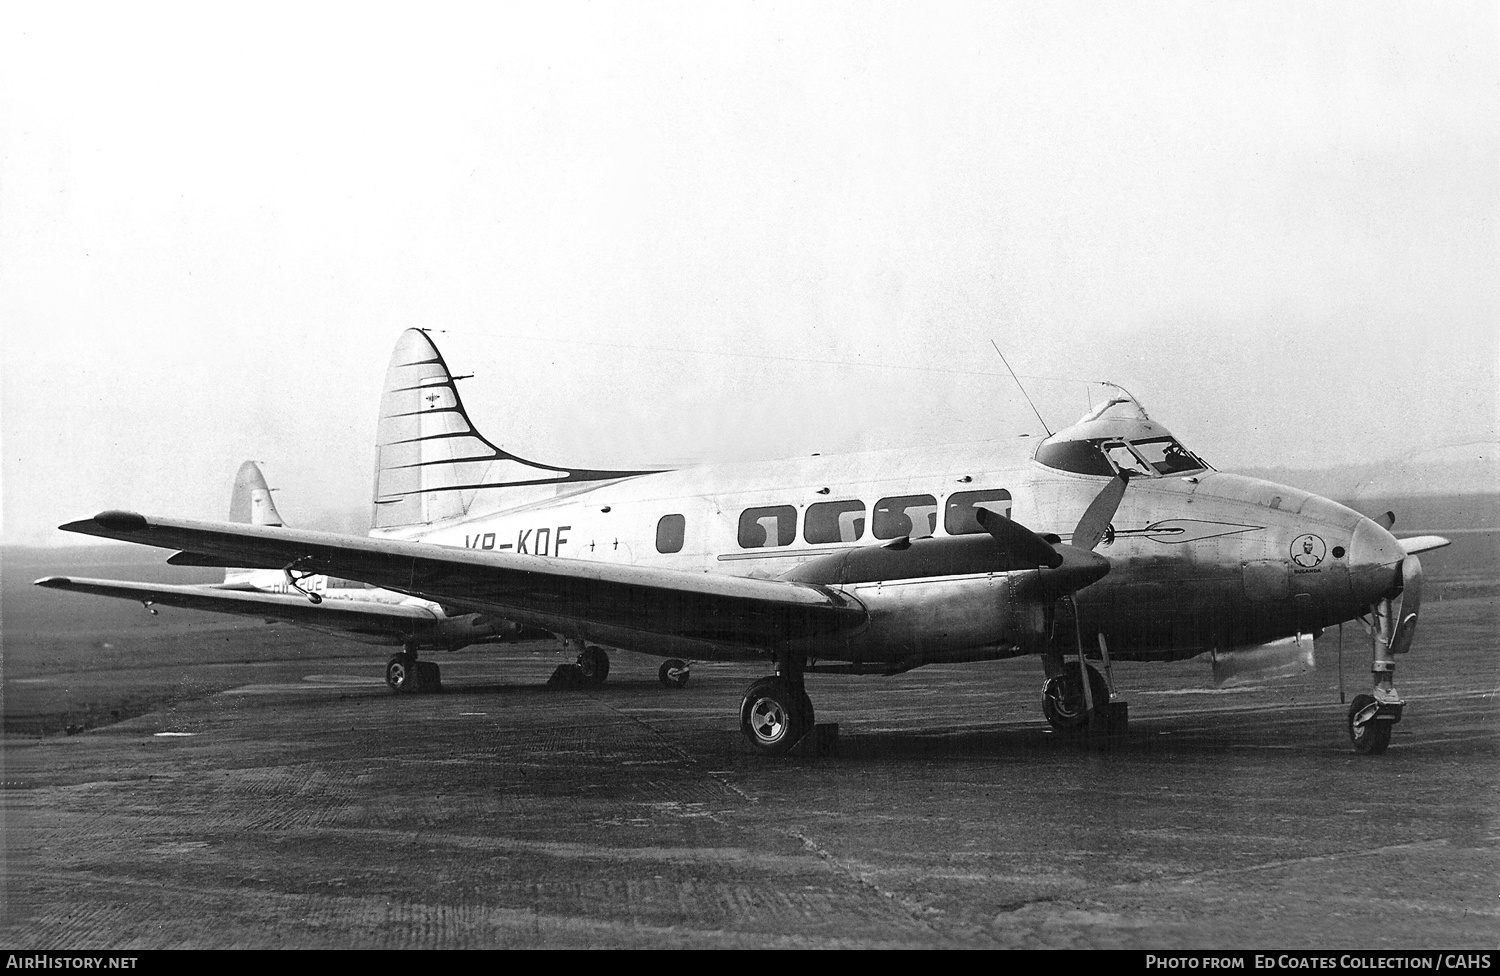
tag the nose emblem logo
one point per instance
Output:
(1308, 550)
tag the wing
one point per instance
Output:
(658, 611)
(381, 623)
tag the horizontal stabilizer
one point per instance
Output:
(387, 623)
(1423, 543)
(198, 559)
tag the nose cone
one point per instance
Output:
(1374, 560)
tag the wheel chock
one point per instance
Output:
(823, 740)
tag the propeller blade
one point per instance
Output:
(1097, 516)
(1387, 521)
(1404, 607)
(1022, 543)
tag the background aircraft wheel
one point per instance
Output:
(1062, 698)
(1369, 738)
(401, 674)
(593, 665)
(673, 673)
(773, 717)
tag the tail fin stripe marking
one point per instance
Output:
(419, 413)
(426, 386)
(462, 460)
(447, 436)
(414, 483)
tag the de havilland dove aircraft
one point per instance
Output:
(323, 603)
(1108, 540)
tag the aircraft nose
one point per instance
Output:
(1374, 560)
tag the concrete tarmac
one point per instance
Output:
(311, 808)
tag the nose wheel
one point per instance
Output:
(673, 673)
(1370, 723)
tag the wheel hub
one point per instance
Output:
(768, 720)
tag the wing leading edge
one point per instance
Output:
(658, 611)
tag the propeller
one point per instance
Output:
(1066, 568)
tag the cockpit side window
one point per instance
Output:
(1167, 456)
(1126, 461)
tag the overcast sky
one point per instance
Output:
(660, 232)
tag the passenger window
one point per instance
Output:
(913, 515)
(961, 517)
(834, 522)
(669, 533)
(774, 525)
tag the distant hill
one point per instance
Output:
(1468, 469)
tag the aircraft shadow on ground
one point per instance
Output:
(1146, 739)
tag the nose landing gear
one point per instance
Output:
(1370, 722)
(1392, 627)
(673, 673)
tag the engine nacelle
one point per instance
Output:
(475, 628)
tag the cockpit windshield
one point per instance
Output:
(1155, 457)
(1118, 438)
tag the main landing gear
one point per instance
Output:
(1076, 697)
(1063, 701)
(407, 676)
(776, 713)
(588, 671)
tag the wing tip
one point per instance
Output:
(113, 520)
(53, 582)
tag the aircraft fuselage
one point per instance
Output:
(1199, 561)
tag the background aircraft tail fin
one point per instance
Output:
(431, 463)
(250, 502)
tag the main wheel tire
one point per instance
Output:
(593, 665)
(401, 674)
(773, 717)
(673, 673)
(1062, 698)
(1372, 737)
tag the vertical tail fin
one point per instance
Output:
(430, 462)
